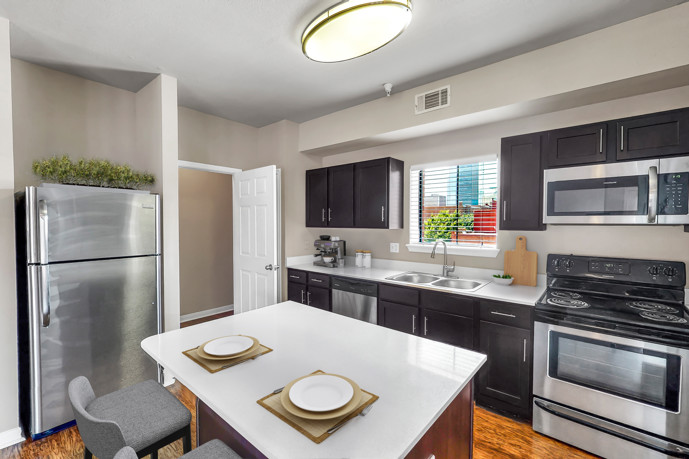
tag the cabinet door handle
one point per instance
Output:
(317, 280)
(503, 314)
(425, 325)
(302, 297)
(621, 138)
(413, 323)
(524, 350)
(329, 214)
(382, 213)
(504, 210)
(600, 145)
(308, 298)
(322, 215)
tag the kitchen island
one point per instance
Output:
(425, 387)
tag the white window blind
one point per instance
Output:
(456, 204)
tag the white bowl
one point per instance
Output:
(501, 281)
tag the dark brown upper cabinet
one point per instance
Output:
(341, 196)
(316, 197)
(378, 194)
(521, 183)
(368, 194)
(577, 145)
(657, 134)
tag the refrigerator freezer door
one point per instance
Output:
(68, 223)
(100, 311)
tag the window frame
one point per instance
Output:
(427, 247)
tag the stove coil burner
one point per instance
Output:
(565, 294)
(568, 303)
(662, 317)
(649, 306)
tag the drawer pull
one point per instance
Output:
(503, 314)
(292, 276)
(317, 280)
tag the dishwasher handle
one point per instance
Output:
(352, 286)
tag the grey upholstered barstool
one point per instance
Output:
(144, 416)
(214, 449)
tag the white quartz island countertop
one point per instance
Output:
(520, 294)
(415, 378)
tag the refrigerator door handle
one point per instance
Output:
(43, 231)
(45, 295)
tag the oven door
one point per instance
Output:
(619, 193)
(624, 380)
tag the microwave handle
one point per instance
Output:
(652, 193)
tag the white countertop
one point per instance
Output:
(521, 294)
(415, 378)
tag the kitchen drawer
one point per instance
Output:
(318, 279)
(454, 304)
(296, 276)
(401, 295)
(506, 313)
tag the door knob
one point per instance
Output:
(271, 267)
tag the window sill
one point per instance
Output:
(486, 252)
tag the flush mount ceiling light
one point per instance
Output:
(354, 28)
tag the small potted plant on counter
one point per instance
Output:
(502, 279)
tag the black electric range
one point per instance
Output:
(628, 297)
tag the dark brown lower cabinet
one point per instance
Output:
(447, 328)
(300, 290)
(399, 317)
(504, 382)
(318, 297)
(296, 292)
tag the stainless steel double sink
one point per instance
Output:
(430, 280)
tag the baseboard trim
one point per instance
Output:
(11, 437)
(206, 313)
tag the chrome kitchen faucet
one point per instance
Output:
(446, 268)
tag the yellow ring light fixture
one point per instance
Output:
(354, 28)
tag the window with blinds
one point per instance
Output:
(456, 204)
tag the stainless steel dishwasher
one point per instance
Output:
(355, 299)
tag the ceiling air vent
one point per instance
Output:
(432, 100)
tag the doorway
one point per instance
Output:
(205, 245)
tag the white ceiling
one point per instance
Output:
(242, 60)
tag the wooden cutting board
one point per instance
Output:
(521, 264)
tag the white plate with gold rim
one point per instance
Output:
(320, 393)
(228, 346)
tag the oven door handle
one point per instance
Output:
(648, 441)
(652, 193)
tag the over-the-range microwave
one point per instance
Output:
(645, 192)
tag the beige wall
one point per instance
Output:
(205, 240)
(212, 140)
(156, 138)
(9, 418)
(55, 113)
(662, 242)
(609, 58)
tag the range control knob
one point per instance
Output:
(556, 263)
(569, 264)
(654, 270)
(670, 271)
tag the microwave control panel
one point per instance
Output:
(673, 193)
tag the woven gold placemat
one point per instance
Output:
(213, 366)
(316, 431)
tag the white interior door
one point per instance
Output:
(256, 242)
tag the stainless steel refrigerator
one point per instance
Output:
(89, 276)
